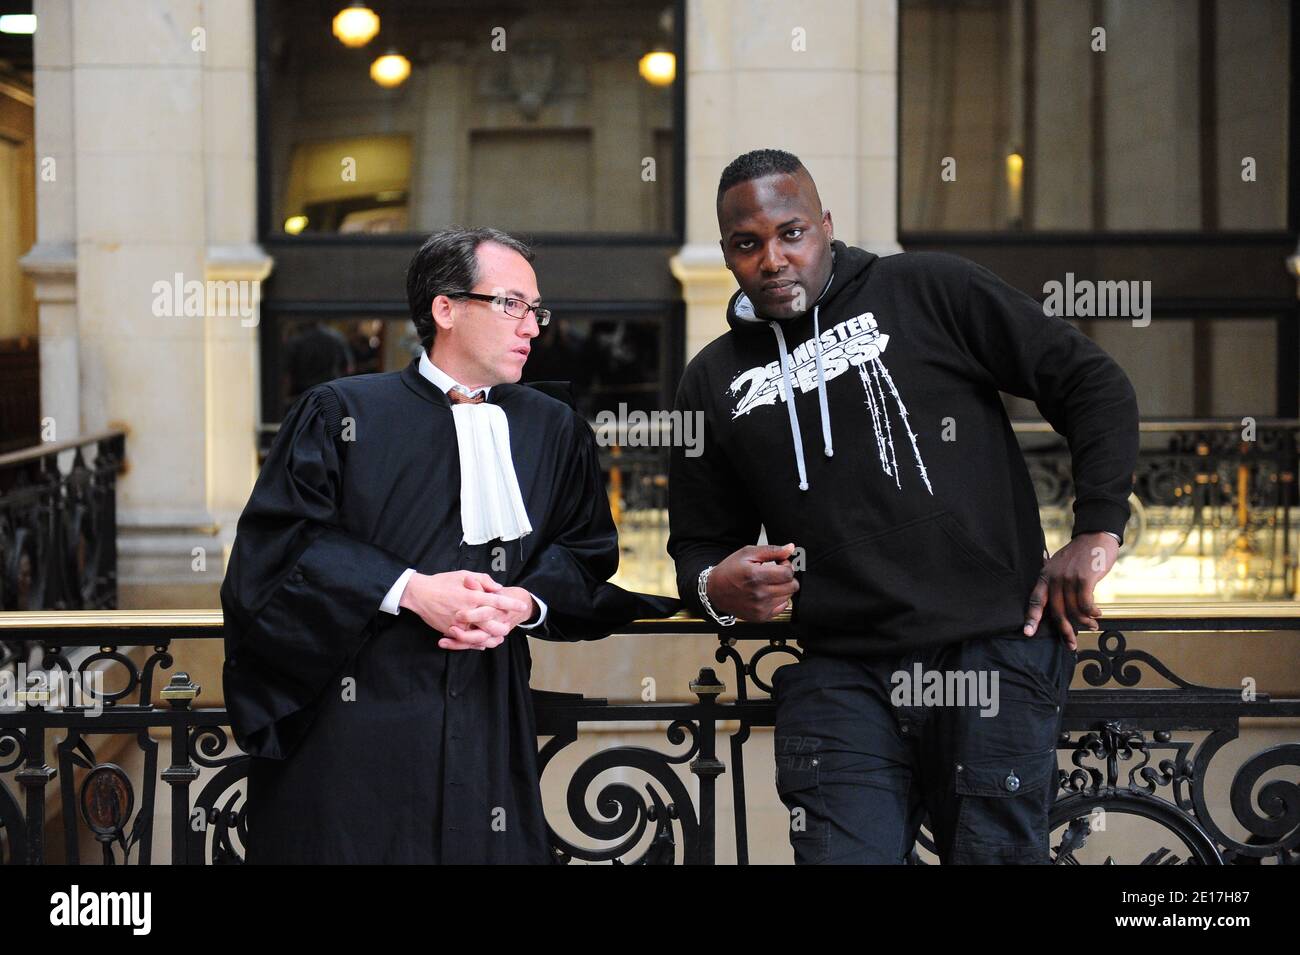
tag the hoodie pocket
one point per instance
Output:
(928, 574)
(962, 538)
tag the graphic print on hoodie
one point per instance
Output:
(911, 538)
(853, 343)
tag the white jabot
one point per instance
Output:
(491, 506)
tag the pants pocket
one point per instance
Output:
(1033, 678)
(1004, 802)
(798, 783)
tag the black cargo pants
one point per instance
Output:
(861, 756)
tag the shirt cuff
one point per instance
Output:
(1118, 540)
(541, 614)
(392, 602)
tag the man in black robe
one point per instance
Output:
(376, 609)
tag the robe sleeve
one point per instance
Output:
(300, 592)
(572, 567)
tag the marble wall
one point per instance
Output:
(146, 109)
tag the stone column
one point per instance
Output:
(815, 77)
(147, 109)
(51, 262)
(877, 117)
(230, 342)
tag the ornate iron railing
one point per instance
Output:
(58, 530)
(1222, 491)
(1119, 737)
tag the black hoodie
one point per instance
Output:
(896, 470)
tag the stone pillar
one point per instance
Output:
(147, 109)
(51, 262)
(877, 118)
(232, 405)
(444, 94)
(706, 287)
(815, 77)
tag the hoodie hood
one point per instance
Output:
(848, 263)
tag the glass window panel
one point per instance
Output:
(528, 116)
(1163, 130)
(1189, 368)
(610, 358)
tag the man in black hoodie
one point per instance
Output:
(938, 637)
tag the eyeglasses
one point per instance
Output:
(515, 308)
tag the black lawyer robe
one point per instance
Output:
(371, 743)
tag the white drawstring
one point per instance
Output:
(789, 405)
(744, 312)
(828, 446)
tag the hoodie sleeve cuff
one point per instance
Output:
(1093, 516)
(688, 579)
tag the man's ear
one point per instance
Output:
(444, 316)
(725, 259)
(827, 226)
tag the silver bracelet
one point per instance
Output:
(726, 621)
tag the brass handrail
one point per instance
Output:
(38, 451)
(1179, 616)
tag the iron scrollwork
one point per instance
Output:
(1127, 748)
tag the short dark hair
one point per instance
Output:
(448, 262)
(756, 164)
